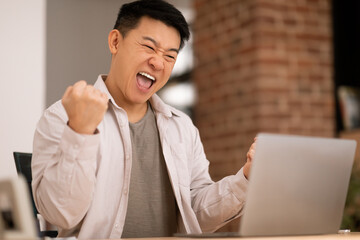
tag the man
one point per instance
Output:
(112, 160)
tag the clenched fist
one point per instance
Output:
(249, 158)
(85, 107)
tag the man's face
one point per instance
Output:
(143, 61)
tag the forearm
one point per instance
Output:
(217, 204)
(64, 176)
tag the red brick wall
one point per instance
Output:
(261, 66)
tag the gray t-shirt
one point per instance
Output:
(152, 208)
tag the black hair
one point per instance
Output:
(130, 14)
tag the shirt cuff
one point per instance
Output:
(240, 185)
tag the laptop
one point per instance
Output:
(297, 186)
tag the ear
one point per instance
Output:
(113, 40)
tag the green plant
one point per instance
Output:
(351, 218)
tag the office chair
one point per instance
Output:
(23, 166)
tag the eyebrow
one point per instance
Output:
(157, 44)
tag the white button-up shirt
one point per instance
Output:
(80, 182)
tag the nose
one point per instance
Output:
(156, 62)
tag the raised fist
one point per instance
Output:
(85, 107)
(249, 159)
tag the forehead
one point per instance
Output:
(166, 36)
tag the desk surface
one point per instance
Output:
(316, 237)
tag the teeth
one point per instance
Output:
(147, 75)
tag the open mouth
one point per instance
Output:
(145, 80)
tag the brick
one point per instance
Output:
(261, 66)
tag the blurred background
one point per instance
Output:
(250, 66)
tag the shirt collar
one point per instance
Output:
(100, 84)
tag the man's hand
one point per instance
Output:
(249, 157)
(85, 107)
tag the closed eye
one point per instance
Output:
(149, 47)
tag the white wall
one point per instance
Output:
(22, 71)
(76, 39)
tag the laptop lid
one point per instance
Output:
(298, 185)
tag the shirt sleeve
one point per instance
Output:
(214, 203)
(63, 169)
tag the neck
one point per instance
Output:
(134, 111)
